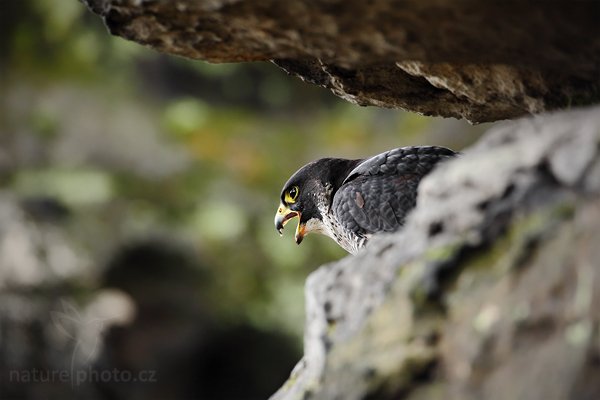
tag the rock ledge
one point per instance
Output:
(491, 288)
(483, 61)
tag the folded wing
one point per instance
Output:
(380, 191)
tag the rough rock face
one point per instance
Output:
(491, 291)
(482, 61)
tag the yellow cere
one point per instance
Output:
(291, 195)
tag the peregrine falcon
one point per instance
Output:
(351, 200)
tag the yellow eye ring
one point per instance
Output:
(291, 195)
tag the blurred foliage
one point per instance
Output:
(137, 144)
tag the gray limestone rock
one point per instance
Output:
(491, 290)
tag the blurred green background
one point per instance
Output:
(128, 171)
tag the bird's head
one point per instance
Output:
(308, 194)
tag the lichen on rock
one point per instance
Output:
(500, 295)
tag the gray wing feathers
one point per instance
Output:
(379, 192)
(415, 159)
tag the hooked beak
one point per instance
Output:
(284, 214)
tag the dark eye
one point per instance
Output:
(291, 195)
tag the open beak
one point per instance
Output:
(284, 214)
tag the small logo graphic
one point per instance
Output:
(83, 329)
(85, 332)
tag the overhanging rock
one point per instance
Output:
(492, 289)
(483, 61)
